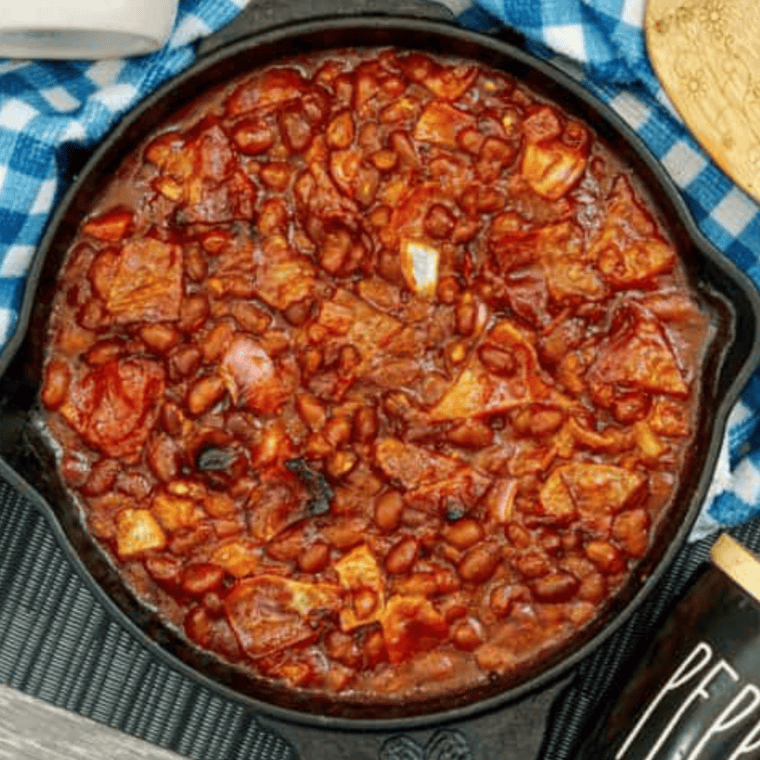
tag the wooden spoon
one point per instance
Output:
(707, 57)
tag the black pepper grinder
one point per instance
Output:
(695, 692)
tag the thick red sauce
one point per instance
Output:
(374, 374)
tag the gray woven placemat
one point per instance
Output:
(58, 643)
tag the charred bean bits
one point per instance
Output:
(382, 364)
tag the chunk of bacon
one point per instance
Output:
(628, 248)
(269, 613)
(355, 321)
(637, 355)
(270, 90)
(440, 123)
(588, 487)
(411, 625)
(142, 282)
(282, 275)
(113, 407)
(414, 466)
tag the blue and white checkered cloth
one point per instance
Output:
(48, 107)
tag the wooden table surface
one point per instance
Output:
(34, 730)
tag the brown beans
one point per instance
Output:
(471, 434)
(311, 410)
(605, 556)
(480, 563)
(199, 579)
(466, 636)
(56, 384)
(497, 360)
(500, 600)
(365, 424)
(402, 556)
(193, 313)
(340, 131)
(533, 565)
(340, 463)
(439, 222)
(337, 430)
(555, 587)
(389, 507)
(159, 336)
(463, 533)
(314, 558)
(466, 315)
(204, 393)
(365, 603)
(253, 136)
(250, 317)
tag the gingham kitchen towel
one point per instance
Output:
(49, 109)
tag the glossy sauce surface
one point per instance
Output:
(374, 374)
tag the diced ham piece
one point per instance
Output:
(137, 532)
(252, 377)
(551, 167)
(359, 570)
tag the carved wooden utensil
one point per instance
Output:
(706, 56)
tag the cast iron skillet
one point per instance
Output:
(505, 714)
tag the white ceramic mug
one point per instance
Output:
(84, 29)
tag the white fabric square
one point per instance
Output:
(44, 200)
(117, 96)
(739, 414)
(16, 260)
(15, 114)
(747, 482)
(74, 131)
(683, 163)
(189, 30)
(7, 321)
(633, 12)
(631, 109)
(60, 99)
(734, 212)
(568, 39)
(458, 7)
(104, 73)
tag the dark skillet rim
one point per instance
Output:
(409, 26)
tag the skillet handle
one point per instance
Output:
(515, 731)
(260, 15)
